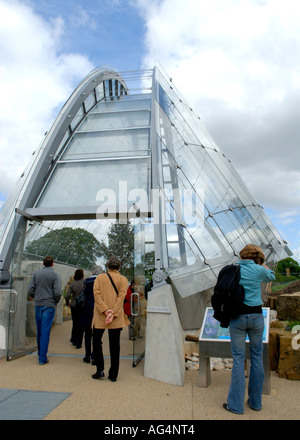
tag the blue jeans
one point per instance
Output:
(253, 325)
(44, 319)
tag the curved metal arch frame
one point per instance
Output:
(44, 162)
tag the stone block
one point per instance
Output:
(288, 306)
(274, 348)
(289, 358)
(279, 325)
(271, 302)
(190, 347)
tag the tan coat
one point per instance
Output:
(107, 299)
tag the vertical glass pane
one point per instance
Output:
(100, 92)
(90, 101)
(139, 301)
(77, 118)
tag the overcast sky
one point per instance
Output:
(235, 61)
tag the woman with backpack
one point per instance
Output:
(248, 322)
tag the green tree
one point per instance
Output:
(283, 265)
(73, 246)
(120, 243)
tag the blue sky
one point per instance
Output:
(235, 61)
(105, 31)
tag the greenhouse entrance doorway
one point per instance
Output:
(73, 244)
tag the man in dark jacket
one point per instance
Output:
(45, 288)
(85, 326)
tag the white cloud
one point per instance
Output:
(81, 18)
(296, 254)
(36, 79)
(236, 62)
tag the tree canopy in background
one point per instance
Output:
(287, 269)
(120, 243)
(73, 246)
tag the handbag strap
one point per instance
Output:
(113, 283)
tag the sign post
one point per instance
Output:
(214, 341)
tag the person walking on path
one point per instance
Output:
(249, 322)
(86, 317)
(127, 309)
(74, 290)
(45, 288)
(109, 314)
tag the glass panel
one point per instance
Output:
(149, 259)
(174, 254)
(261, 227)
(139, 301)
(232, 177)
(90, 101)
(64, 141)
(192, 128)
(89, 177)
(192, 161)
(235, 234)
(107, 89)
(218, 235)
(77, 118)
(125, 102)
(204, 243)
(21, 337)
(98, 121)
(91, 145)
(36, 241)
(99, 92)
(52, 238)
(6, 212)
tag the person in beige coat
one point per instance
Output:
(109, 314)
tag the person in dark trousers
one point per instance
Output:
(74, 289)
(109, 314)
(127, 309)
(249, 322)
(86, 316)
(45, 288)
(148, 288)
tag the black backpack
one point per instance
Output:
(80, 298)
(228, 295)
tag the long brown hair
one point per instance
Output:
(253, 252)
(78, 275)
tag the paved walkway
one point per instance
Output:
(64, 390)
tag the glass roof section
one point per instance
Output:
(112, 135)
(223, 215)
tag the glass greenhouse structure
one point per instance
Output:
(127, 148)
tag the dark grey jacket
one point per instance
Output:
(45, 287)
(74, 290)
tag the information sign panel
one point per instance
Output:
(211, 330)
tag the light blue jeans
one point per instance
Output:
(253, 326)
(44, 319)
